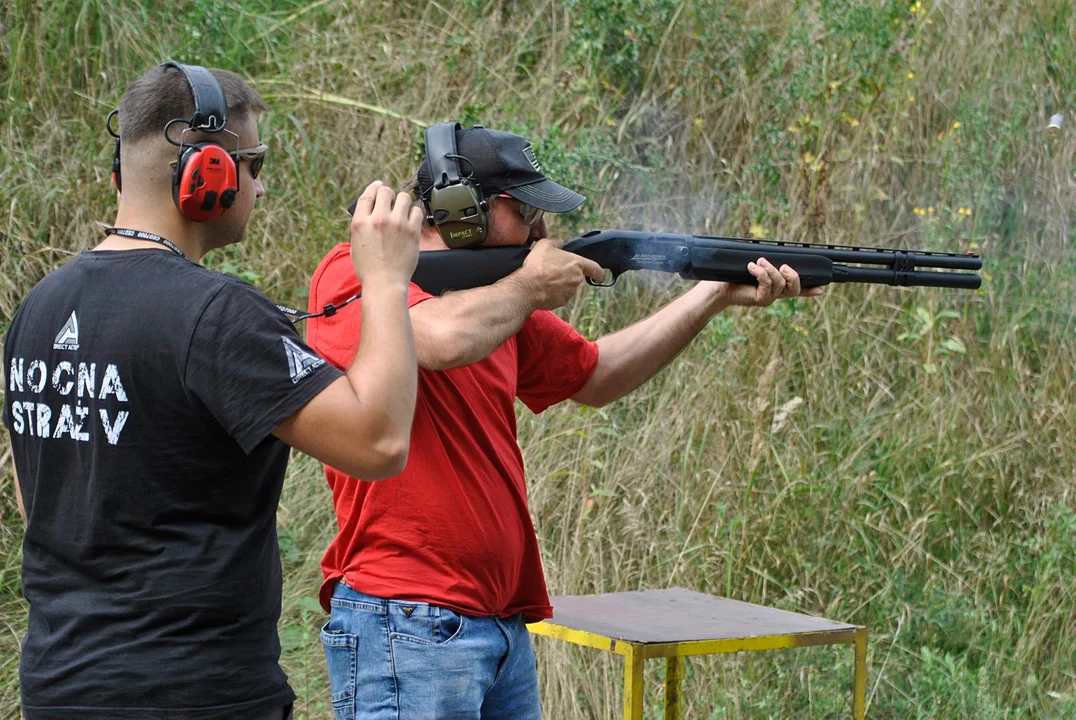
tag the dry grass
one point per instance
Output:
(924, 492)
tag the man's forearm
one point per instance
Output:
(383, 372)
(464, 327)
(630, 357)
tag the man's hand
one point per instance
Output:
(552, 276)
(384, 235)
(773, 284)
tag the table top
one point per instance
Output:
(679, 615)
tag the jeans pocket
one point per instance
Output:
(342, 661)
(427, 625)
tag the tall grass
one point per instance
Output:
(902, 459)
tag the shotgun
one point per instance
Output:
(700, 257)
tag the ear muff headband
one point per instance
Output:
(206, 181)
(454, 203)
(210, 107)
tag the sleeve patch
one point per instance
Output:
(301, 362)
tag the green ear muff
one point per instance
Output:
(454, 203)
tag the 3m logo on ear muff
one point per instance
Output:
(205, 182)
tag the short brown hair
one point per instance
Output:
(162, 94)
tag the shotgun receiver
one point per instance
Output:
(699, 257)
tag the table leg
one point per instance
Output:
(859, 695)
(633, 683)
(672, 688)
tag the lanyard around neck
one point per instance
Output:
(143, 235)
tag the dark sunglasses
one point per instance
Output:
(256, 155)
(527, 213)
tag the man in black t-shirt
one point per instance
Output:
(151, 405)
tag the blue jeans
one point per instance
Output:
(399, 660)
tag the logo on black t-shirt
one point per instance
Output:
(67, 338)
(300, 362)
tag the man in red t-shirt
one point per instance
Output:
(434, 573)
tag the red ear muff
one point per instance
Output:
(205, 182)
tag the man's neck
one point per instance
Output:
(171, 227)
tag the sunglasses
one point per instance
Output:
(256, 155)
(527, 213)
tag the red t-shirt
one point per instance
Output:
(453, 529)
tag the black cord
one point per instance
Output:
(328, 311)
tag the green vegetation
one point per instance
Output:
(900, 459)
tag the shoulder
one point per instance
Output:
(334, 273)
(63, 280)
(235, 297)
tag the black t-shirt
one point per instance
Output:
(141, 394)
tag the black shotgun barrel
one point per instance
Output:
(853, 254)
(702, 257)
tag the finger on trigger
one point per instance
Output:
(594, 271)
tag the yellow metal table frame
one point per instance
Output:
(637, 652)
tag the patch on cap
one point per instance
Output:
(528, 152)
